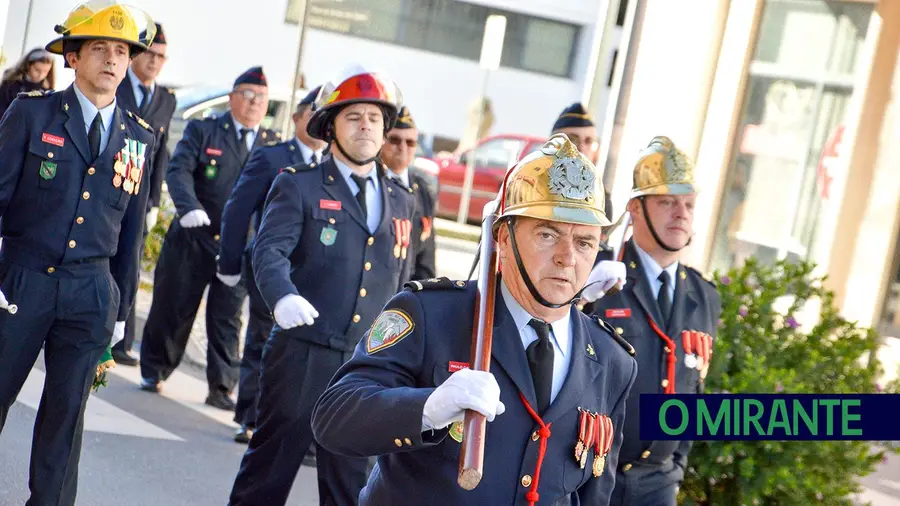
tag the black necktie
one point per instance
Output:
(362, 182)
(662, 298)
(244, 150)
(540, 360)
(145, 101)
(314, 158)
(94, 136)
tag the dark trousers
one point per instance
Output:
(647, 486)
(125, 344)
(71, 312)
(294, 374)
(187, 264)
(258, 328)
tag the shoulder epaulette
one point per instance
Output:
(704, 277)
(34, 93)
(615, 335)
(435, 284)
(294, 169)
(140, 121)
(171, 91)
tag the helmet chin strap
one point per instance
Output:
(354, 160)
(531, 288)
(653, 231)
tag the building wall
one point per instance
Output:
(439, 88)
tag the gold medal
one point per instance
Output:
(137, 188)
(582, 434)
(588, 439)
(119, 167)
(135, 174)
(403, 253)
(117, 180)
(599, 464)
(128, 186)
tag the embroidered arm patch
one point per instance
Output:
(389, 329)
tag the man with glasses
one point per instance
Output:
(398, 154)
(140, 94)
(247, 200)
(201, 175)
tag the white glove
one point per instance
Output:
(3, 302)
(229, 279)
(464, 389)
(118, 333)
(195, 218)
(152, 216)
(605, 275)
(293, 310)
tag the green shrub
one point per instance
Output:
(760, 349)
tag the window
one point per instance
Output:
(448, 27)
(800, 83)
(497, 153)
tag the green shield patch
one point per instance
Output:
(211, 172)
(48, 170)
(328, 236)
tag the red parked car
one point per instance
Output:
(493, 156)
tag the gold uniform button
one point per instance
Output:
(407, 441)
(331, 220)
(212, 162)
(86, 195)
(91, 171)
(49, 155)
(526, 481)
(535, 436)
(362, 292)
(626, 467)
(216, 237)
(356, 318)
(667, 349)
(79, 220)
(398, 442)
(665, 383)
(368, 266)
(645, 454)
(51, 270)
(371, 241)
(619, 330)
(72, 243)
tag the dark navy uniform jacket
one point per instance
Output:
(58, 208)
(425, 248)
(248, 197)
(158, 115)
(206, 165)
(696, 306)
(314, 242)
(375, 403)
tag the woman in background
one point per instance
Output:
(33, 72)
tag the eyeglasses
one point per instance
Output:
(251, 95)
(397, 141)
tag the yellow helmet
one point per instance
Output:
(555, 183)
(105, 20)
(663, 169)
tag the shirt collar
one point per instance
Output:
(136, 83)
(238, 127)
(89, 110)
(653, 269)
(522, 317)
(306, 151)
(346, 171)
(402, 176)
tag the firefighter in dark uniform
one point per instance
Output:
(73, 194)
(201, 174)
(332, 249)
(140, 94)
(246, 201)
(397, 155)
(667, 311)
(555, 396)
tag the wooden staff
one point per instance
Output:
(471, 457)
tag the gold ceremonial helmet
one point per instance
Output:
(663, 169)
(106, 20)
(555, 183)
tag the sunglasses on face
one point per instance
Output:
(250, 95)
(397, 141)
